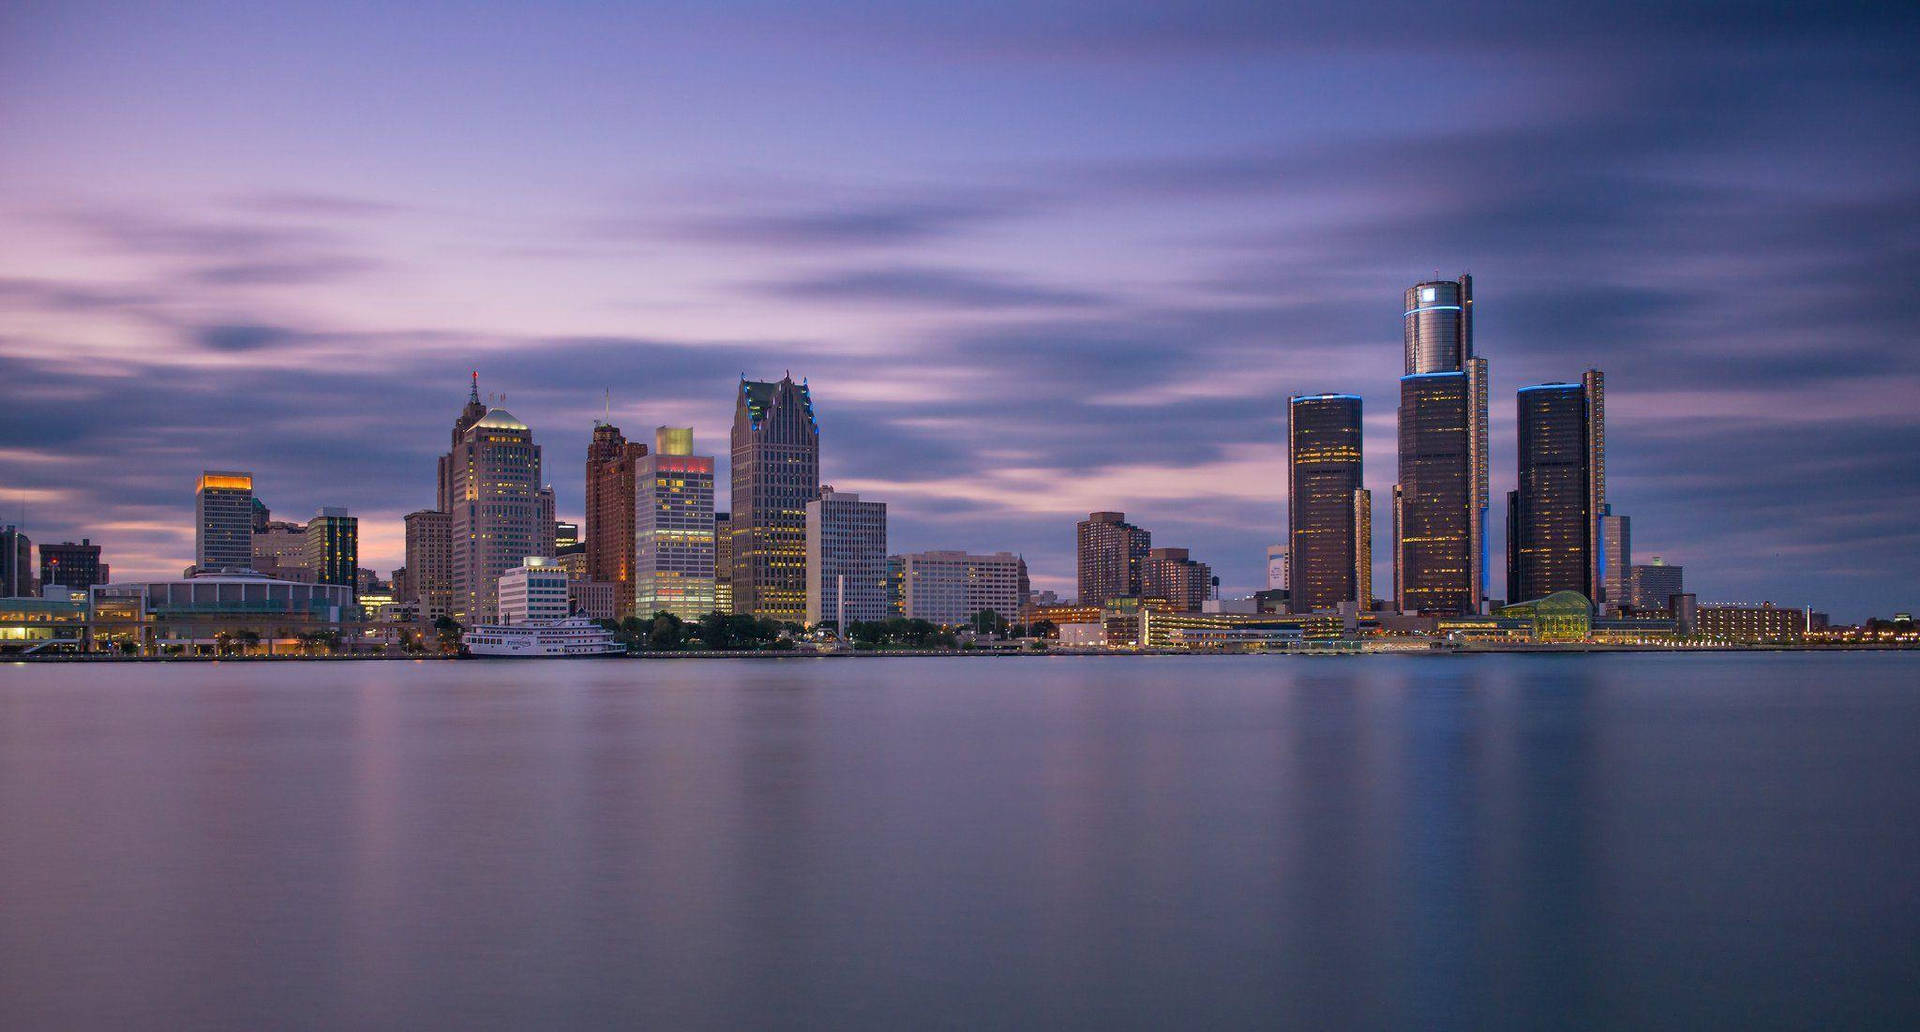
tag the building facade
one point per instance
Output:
(70, 565)
(723, 562)
(1553, 516)
(332, 548)
(1761, 624)
(533, 592)
(280, 550)
(497, 518)
(1172, 575)
(776, 472)
(1112, 553)
(1276, 567)
(950, 587)
(1652, 586)
(846, 559)
(673, 528)
(1324, 495)
(223, 521)
(611, 495)
(429, 563)
(1441, 497)
(16, 564)
(1616, 561)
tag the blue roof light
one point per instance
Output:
(1430, 308)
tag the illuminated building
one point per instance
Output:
(948, 588)
(16, 564)
(469, 415)
(1652, 586)
(776, 472)
(429, 564)
(1553, 516)
(1276, 567)
(498, 517)
(533, 592)
(1558, 616)
(223, 521)
(610, 502)
(198, 614)
(1440, 500)
(70, 565)
(1323, 498)
(1111, 552)
(1169, 574)
(1616, 560)
(333, 548)
(1761, 624)
(673, 527)
(723, 562)
(846, 559)
(549, 524)
(566, 538)
(280, 550)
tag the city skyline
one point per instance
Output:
(1125, 311)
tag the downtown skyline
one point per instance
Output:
(1008, 321)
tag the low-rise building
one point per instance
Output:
(1765, 623)
(533, 592)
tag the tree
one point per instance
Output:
(715, 630)
(248, 638)
(666, 633)
(447, 629)
(1044, 629)
(986, 621)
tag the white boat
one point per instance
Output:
(574, 636)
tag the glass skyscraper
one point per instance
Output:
(1553, 517)
(776, 472)
(673, 527)
(1440, 501)
(1326, 502)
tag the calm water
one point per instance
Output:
(1495, 841)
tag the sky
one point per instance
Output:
(1034, 259)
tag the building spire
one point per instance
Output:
(475, 395)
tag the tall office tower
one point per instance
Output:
(1653, 586)
(846, 559)
(1276, 567)
(1111, 554)
(949, 588)
(1616, 558)
(549, 542)
(16, 564)
(70, 565)
(1324, 481)
(262, 516)
(430, 562)
(1170, 574)
(1553, 516)
(469, 415)
(776, 472)
(610, 500)
(1440, 502)
(566, 538)
(333, 547)
(497, 515)
(723, 562)
(1363, 549)
(223, 521)
(673, 528)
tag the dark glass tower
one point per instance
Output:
(1440, 501)
(1553, 517)
(776, 472)
(1325, 499)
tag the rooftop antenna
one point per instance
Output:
(606, 407)
(475, 396)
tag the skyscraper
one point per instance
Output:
(548, 544)
(430, 563)
(723, 562)
(1553, 516)
(223, 521)
(469, 415)
(1440, 502)
(1111, 552)
(333, 547)
(1324, 495)
(776, 472)
(16, 563)
(497, 518)
(1616, 558)
(846, 559)
(1172, 574)
(673, 527)
(610, 501)
(74, 566)
(1652, 586)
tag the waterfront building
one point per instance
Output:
(1111, 553)
(950, 587)
(1170, 574)
(611, 495)
(1324, 499)
(776, 472)
(1749, 624)
(280, 551)
(723, 562)
(1653, 585)
(1441, 498)
(1616, 560)
(1559, 616)
(498, 517)
(202, 614)
(673, 527)
(429, 564)
(223, 521)
(70, 565)
(1276, 567)
(16, 564)
(533, 592)
(1553, 516)
(846, 559)
(333, 548)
